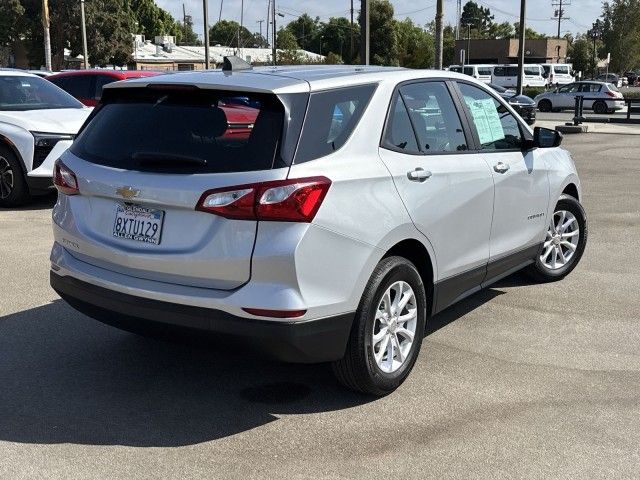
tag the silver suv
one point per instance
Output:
(323, 214)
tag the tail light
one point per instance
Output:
(64, 179)
(612, 94)
(293, 200)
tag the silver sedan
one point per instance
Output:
(565, 97)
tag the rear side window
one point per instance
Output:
(332, 116)
(77, 85)
(178, 131)
(399, 134)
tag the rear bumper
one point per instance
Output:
(310, 341)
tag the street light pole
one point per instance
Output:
(523, 11)
(205, 11)
(364, 32)
(439, 33)
(84, 38)
(274, 48)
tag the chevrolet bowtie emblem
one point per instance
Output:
(128, 192)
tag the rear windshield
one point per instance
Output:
(332, 116)
(532, 70)
(484, 70)
(562, 70)
(184, 131)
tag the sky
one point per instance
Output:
(582, 13)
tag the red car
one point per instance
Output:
(86, 85)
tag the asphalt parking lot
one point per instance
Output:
(518, 381)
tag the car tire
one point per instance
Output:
(545, 105)
(599, 107)
(378, 359)
(572, 238)
(14, 190)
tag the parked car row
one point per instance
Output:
(535, 75)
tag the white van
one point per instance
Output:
(507, 76)
(558, 73)
(479, 72)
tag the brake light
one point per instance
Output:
(292, 200)
(612, 94)
(64, 179)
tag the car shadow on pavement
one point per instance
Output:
(41, 202)
(70, 379)
(66, 378)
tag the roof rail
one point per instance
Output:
(234, 63)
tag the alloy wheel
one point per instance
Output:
(6, 178)
(561, 241)
(394, 327)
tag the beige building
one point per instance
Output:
(545, 50)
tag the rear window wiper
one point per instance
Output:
(148, 159)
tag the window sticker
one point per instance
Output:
(487, 120)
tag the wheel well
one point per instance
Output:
(5, 142)
(416, 253)
(572, 190)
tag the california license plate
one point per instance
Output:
(141, 224)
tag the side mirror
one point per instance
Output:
(546, 138)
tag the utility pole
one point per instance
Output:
(458, 16)
(241, 22)
(364, 32)
(84, 37)
(351, 34)
(439, 33)
(559, 12)
(205, 11)
(260, 22)
(274, 51)
(47, 37)
(220, 14)
(268, 21)
(523, 12)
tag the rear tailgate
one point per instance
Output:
(143, 163)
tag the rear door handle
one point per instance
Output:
(418, 175)
(501, 167)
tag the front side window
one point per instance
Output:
(21, 93)
(496, 127)
(571, 88)
(332, 116)
(434, 117)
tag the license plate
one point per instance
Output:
(141, 224)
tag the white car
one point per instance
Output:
(38, 122)
(362, 201)
(604, 97)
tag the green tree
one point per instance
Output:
(10, 13)
(415, 46)
(501, 30)
(305, 31)
(334, 36)
(225, 33)
(621, 33)
(479, 18)
(529, 33)
(383, 42)
(286, 40)
(153, 20)
(581, 55)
